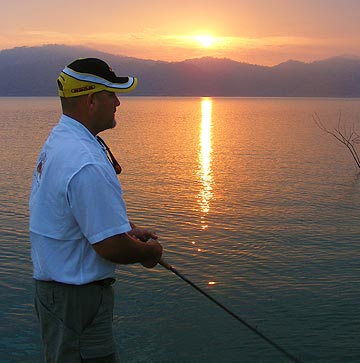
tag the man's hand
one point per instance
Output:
(156, 251)
(143, 234)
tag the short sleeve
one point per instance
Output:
(96, 200)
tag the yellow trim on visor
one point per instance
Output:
(74, 84)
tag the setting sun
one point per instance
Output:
(205, 40)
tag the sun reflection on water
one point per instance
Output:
(205, 150)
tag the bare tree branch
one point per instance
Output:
(347, 136)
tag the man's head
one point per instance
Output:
(87, 88)
(90, 75)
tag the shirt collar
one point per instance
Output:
(74, 124)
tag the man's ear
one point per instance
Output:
(90, 100)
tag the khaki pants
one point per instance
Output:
(76, 322)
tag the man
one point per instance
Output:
(79, 229)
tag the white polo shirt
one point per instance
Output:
(75, 201)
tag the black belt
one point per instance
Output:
(104, 282)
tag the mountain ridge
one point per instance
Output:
(32, 71)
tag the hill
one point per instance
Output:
(32, 71)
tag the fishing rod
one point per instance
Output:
(242, 321)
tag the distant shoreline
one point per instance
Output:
(32, 72)
(213, 97)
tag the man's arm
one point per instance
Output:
(124, 249)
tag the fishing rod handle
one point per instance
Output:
(163, 263)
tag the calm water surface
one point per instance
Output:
(246, 193)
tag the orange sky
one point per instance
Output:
(256, 31)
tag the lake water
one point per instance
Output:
(247, 193)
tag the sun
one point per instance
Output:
(206, 41)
